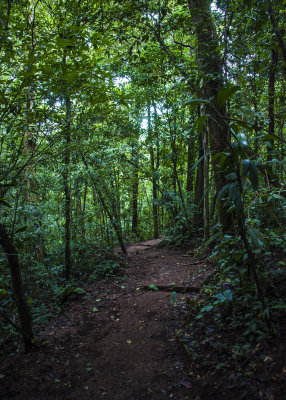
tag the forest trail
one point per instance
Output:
(116, 343)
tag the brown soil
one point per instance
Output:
(123, 342)
(116, 343)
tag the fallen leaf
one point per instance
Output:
(186, 384)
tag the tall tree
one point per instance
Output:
(211, 63)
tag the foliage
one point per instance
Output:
(106, 269)
(123, 121)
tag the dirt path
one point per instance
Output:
(117, 343)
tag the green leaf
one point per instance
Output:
(280, 307)
(245, 167)
(242, 140)
(238, 205)
(225, 93)
(199, 160)
(231, 176)
(2, 292)
(199, 123)
(153, 287)
(253, 175)
(196, 102)
(233, 192)
(222, 191)
(245, 126)
(234, 127)
(213, 204)
(268, 137)
(216, 156)
(204, 195)
(223, 296)
(173, 298)
(224, 160)
(212, 239)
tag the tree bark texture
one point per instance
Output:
(199, 188)
(154, 180)
(18, 289)
(211, 64)
(67, 189)
(271, 114)
(190, 163)
(66, 173)
(206, 184)
(135, 188)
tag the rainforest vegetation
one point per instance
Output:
(123, 121)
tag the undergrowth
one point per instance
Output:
(47, 291)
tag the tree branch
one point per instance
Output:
(171, 56)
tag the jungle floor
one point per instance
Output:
(121, 342)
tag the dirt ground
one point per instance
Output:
(123, 342)
(119, 342)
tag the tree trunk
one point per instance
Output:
(199, 188)
(211, 64)
(154, 180)
(17, 283)
(206, 185)
(190, 163)
(271, 116)
(82, 223)
(67, 190)
(66, 177)
(135, 189)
